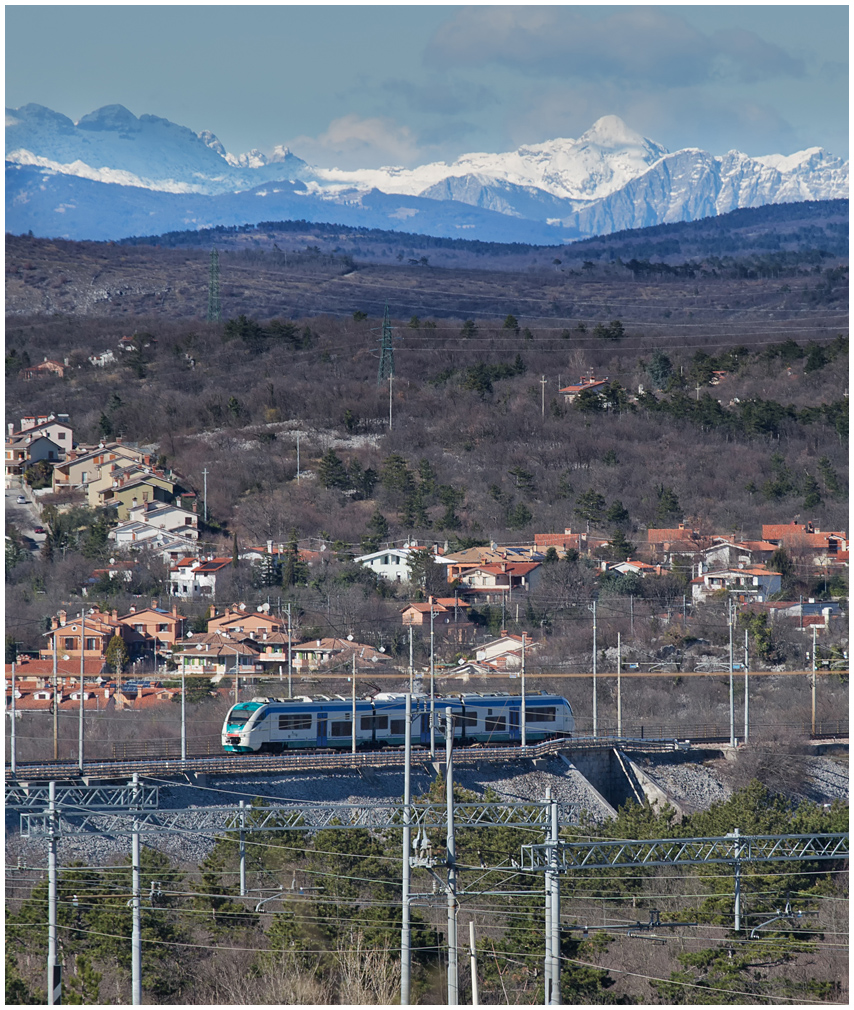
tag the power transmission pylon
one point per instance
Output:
(386, 369)
(214, 309)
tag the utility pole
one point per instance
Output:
(205, 478)
(82, 692)
(596, 703)
(405, 934)
(136, 929)
(290, 657)
(746, 690)
(390, 381)
(453, 980)
(183, 711)
(812, 723)
(386, 369)
(543, 396)
(12, 731)
(523, 712)
(298, 458)
(432, 689)
(475, 1001)
(55, 705)
(354, 702)
(411, 668)
(619, 687)
(731, 685)
(54, 971)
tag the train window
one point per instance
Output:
(239, 717)
(340, 729)
(300, 721)
(539, 715)
(398, 727)
(495, 724)
(370, 722)
(467, 719)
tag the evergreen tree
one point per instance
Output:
(378, 530)
(620, 547)
(660, 368)
(811, 492)
(668, 509)
(117, 654)
(294, 569)
(332, 473)
(511, 323)
(590, 506)
(617, 513)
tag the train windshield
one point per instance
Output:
(239, 716)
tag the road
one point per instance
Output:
(25, 518)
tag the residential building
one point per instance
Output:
(505, 652)
(90, 631)
(731, 553)
(334, 652)
(216, 655)
(822, 549)
(238, 620)
(83, 464)
(749, 584)
(585, 383)
(46, 369)
(495, 582)
(391, 564)
(152, 629)
(449, 617)
(192, 579)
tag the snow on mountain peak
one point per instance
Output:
(611, 132)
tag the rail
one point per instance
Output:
(149, 759)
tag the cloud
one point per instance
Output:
(646, 45)
(445, 97)
(353, 142)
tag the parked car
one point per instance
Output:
(21, 500)
(39, 529)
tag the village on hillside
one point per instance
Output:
(124, 658)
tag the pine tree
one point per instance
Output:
(332, 473)
(668, 509)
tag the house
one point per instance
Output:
(47, 369)
(238, 620)
(41, 437)
(102, 360)
(90, 632)
(677, 547)
(630, 567)
(82, 465)
(731, 553)
(215, 655)
(823, 549)
(173, 518)
(133, 485)
(505, 652)
(801, 613)
(748, 584)
(446, 616)
(192, 578)
(152, 629)
(586, 382)
(495, 582)
(391, 564)
(131, 534)
(334, 652)
(473, 557)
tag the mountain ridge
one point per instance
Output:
(609, 179)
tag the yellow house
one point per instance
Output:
(82, 466)
(135, 490)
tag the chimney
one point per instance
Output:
(115, 615)
(63, 617)
(269, 546)
(212, 612)
(133, 610)
(11, 428)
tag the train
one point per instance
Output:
(276, 725)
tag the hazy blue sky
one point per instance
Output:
(366, 85)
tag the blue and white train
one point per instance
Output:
(274, 725)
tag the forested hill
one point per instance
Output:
(819, 226)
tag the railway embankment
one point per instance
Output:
(593, 782)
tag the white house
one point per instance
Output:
(193, 579)
(391, 564)
(748, 584)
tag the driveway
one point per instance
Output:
(24, 517)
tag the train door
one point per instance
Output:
(515, 732)
(321, 729)
(425, 729)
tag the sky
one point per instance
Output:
(364, 86)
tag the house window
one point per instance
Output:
(69, 643)
(162, 627)
(139, 629)
(188, 521)
(91, 644)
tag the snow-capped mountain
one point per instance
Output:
(609, 179)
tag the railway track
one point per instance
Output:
(228, 764)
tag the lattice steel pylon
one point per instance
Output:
(386, 369)
(214, 308)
